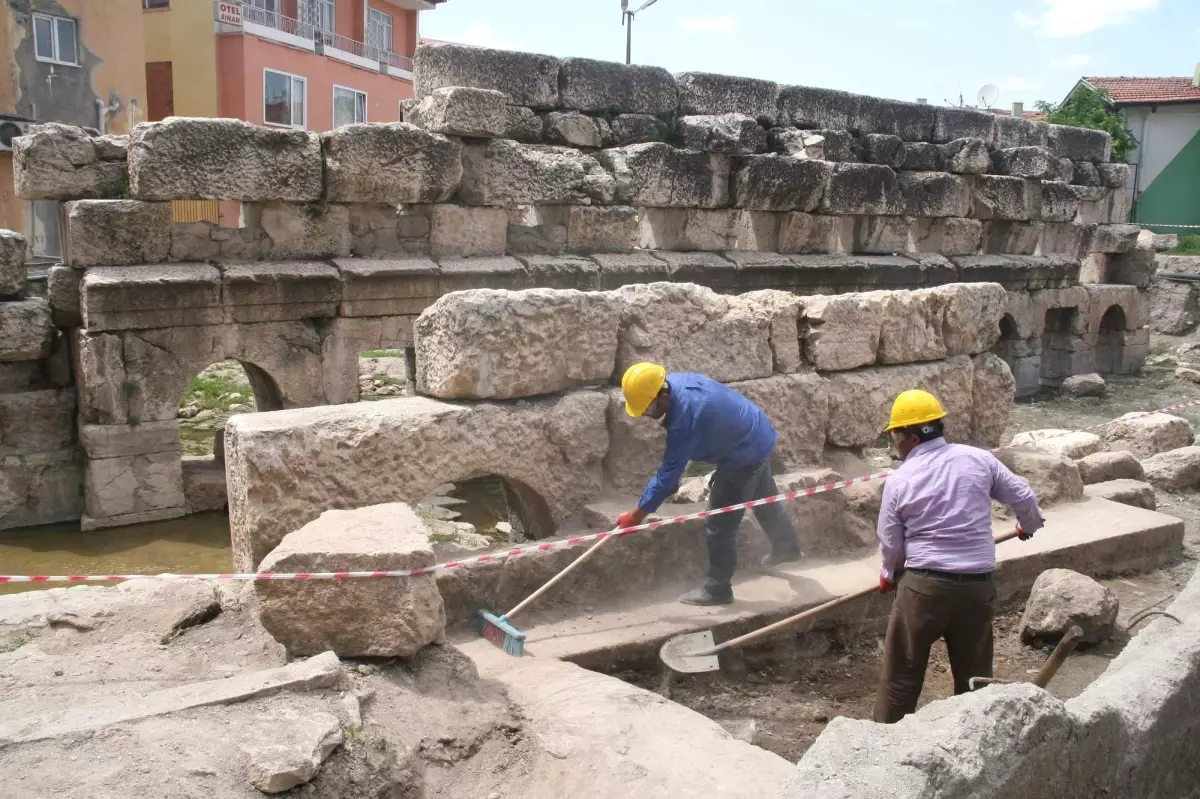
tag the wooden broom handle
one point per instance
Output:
(556, 578)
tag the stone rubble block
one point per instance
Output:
(778, 183)
(1062, 599)
(204, 481)
(522, 124)
(1133, 493)
(387, 287)
(573, 129)
(1001, 197)
(1085, 173)
(43, 488)
(963, 123)
(842, 330)
(1114, 176)
(117, 232)
(863, 189)
(1175, 470)
(394, 163)
(703, 93)
(457, 230)
(934, 194)
(361, 618)
(922, 157)
(26, 330)
(784, 310)
(508, 173)
(796, 143)
(488, 344)
(657, 175)
(1025, 162)
(292, 752)
(1059, 202)
(1148, 434)
(1115, 239)
(601, 229)
(993, 391)
(405, 448)
(1157, 242)
(464, 111)
(1067, 443)
(689, 328)
(1080, 144)
(186, 158)
(133, 297)
(1018, 132)
(12, 264)
(807, 107)
(883, 148)
(966, 157)
(629, 129)
(723, 133)
(37, 421)
(1088, 385)
(280, 292)
(911, 328)
(972, 317)
(608, 86)
(860, 400)
(798, 407)
(1053, 478)
(54, 161)
(1101, 467)
(527, 79)
(146, 486)
(123, 440)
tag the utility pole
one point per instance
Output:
(627, 20)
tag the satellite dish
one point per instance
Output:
(988, 95)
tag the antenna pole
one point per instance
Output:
(628, 36)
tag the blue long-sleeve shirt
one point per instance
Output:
(710, 422)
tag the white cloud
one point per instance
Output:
(1070, 62)
(482, 35)
(726, 24)
(1016, 83)
(1062, 18)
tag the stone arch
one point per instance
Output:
(482, 495)
(1110, 340)
(1022, 353)
(1064, 349)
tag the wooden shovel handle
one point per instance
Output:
(556, 578)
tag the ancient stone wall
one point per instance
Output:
(514, 170)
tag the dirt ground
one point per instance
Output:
(781, 700)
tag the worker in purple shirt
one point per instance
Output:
(935, 534)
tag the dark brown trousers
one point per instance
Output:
(926, 609)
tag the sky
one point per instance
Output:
(902, 49)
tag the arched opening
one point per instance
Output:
(1062, 343)
(1022, 357)
(212, 397)
(485, 511)
(1110, 343)
(384, 374)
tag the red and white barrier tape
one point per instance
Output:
(516, 552)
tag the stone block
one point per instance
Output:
(629, 129)
(1025, 162)
(538, 229)
(1094, 269)
(921, 157)
(386, 288)
(618, 269)
(378, 230)
(963, 123)
(1072, 240)
(1089, 385)
(1017, 238)
(1114, 176)
(993, 391)
(911, 326)
(826, 108)
(1018, 132)
(135, 484)
(784, 310)
(1059, 202)
(12, 264)
(1148, 434)
(883, 235)
(37, 421)
(842, 331)
(40, 489)
(808, 233)
(607, 86)
(703, 93)
(1053, 478)
(503, 172)
(133, 297)
(861, 400)
(54, 161)
(658, 175)
(934, 194)
(1134, 493)
(117, 232)
(883, 148)
(485, 344)
(798, 407)
(1133, 268)
(204, 482)
(1158, 242)
(522, 124)
(396, 163)
(966, 157)
(460, 274)
(863, 189)
(778, 183)
(1115, 239)
(1001, 197)
(1061, 599)
(762, 270)
(687, 229)
(1068, 444)
(572, 129)
(973, 314)
(310, 230)
(1175, 470)
(1085, 174)
(224, 159)
(550, 449)
(123, 440)
(361, 618)
(526, 79)
(462, 111)
(1101, 467)
(26, 330)
(607, 229)
(561, 272)
(466, 231)
(947, 236)
(1080, 144)
(723, 133)
(278, 292)
(689, 328)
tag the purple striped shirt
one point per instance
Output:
(937, 509)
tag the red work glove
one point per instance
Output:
(886, 587)
(631, 519)
(1021, 534)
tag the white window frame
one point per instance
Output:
(54, 38)
(366, 104)
(304, 82)
(373, 13)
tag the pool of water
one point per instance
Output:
(197, 543)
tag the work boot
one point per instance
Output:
(704, 597)
(779, 558)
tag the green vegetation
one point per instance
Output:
(1086, 108)
(1189, 244)
(383, 353)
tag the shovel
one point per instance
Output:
(695, 653)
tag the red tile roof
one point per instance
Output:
(1124, 91)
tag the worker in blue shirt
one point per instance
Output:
(710, 422)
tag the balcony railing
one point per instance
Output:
(331, 44)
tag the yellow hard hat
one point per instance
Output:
(640, 385)
(914, 408)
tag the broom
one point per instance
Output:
(500, 631)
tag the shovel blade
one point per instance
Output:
(679, 653)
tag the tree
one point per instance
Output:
(1089, 108)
